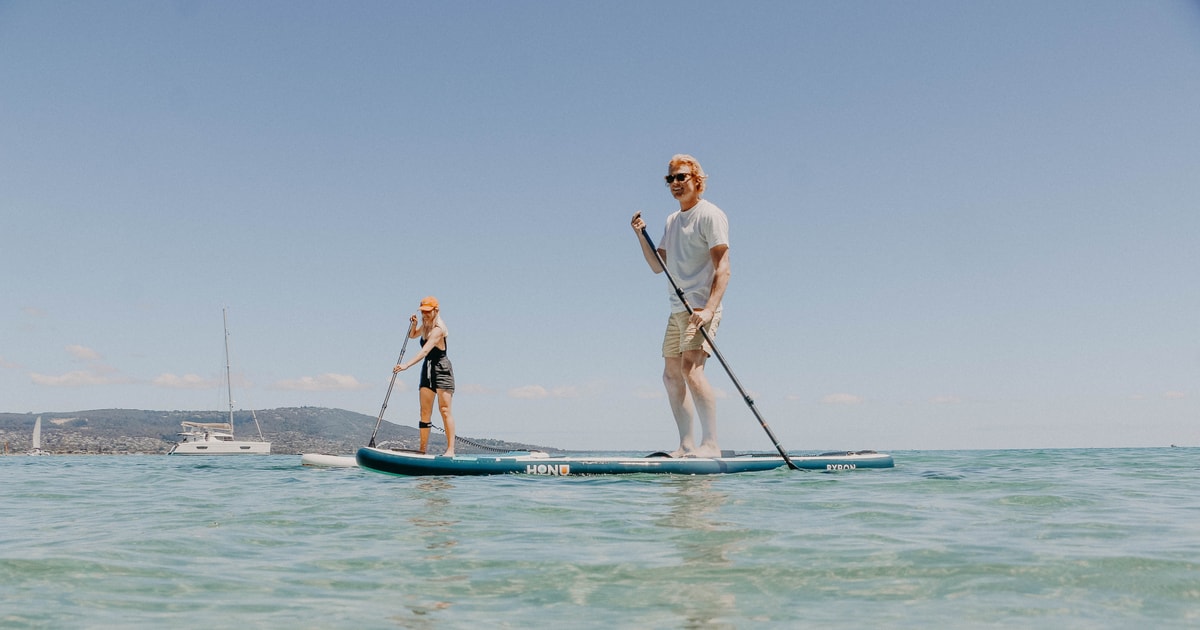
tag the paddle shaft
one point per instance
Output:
(379, 420)
(746, 397)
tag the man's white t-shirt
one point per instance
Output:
(687, 239)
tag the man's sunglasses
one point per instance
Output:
(678, 177)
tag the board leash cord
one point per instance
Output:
(463, 440)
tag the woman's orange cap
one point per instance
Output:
(429, 303)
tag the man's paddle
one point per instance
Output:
(738, 385)
(379, 420)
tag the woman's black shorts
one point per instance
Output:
(439, 375)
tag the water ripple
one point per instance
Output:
(1032, 539)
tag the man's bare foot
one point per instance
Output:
(707, 450)
(682, 451)
(448, 453)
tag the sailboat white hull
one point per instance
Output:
(221, 447)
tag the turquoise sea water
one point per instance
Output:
(1015, 539)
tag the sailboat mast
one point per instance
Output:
(228, 377)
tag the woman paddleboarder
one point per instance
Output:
(437, 375)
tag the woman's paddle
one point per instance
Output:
(738, 385)
(379, 420)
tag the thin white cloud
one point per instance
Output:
(78, 378)
(8, 364)
(535, 392)
(1175, 395)
(649, 394)
(841, 399)
(945, 400)
(653, 393)
(327, 382)
(529, 392)
(187, 381)
(83, 352)
(33, 311)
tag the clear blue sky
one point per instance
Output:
(953, 224)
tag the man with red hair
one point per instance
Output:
(695, 249)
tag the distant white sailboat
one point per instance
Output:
(37, 438)
(216, 438)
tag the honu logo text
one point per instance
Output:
(548, 469)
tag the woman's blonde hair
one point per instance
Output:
(683, 159)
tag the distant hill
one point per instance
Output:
(291, 430)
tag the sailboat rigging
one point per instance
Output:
(37, 438)
(216, 438)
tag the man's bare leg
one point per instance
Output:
(705, 401)
(681, 404)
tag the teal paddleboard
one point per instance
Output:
(411, 463)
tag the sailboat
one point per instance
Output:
(216, 438)
(37, 438)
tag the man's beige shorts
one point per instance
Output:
(682, 336)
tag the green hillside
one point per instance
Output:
(291, 430)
